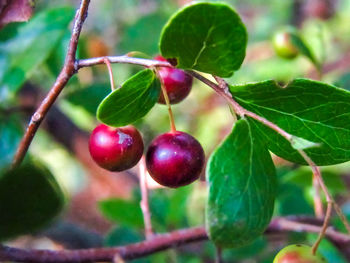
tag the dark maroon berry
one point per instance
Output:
(177, 83)
(175, 159)
(116, 149)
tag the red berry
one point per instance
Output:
(175, 159)
(116, 149)
(177, 83)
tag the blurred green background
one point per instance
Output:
(102, 209)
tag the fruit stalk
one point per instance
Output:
(144, 204)
(166, 98)
(110, 72)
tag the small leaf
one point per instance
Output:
(209, 37)
(31, 46)
(300, 143)
(132, 101)
(29, 198)
(122, 212)
(242, 188)
(311, 110)
(300, 44)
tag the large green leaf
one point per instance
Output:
(132, 101)
(242, 188)
(308, 109)
(208, 37)
(31, 46)
(29, 198)
(10, 136)
(122, 211)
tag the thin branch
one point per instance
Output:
(156, 244)
(137, 250)
(82, 63)
(67, 72)
(144, 204)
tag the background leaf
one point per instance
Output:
(311, 110)
(208, 37)
(122, 211)
(301, 46)
(10, 136)
(140, 35)
(90, 97)
(29, 198)
(132, 101)
(31, 46)
(242, 188)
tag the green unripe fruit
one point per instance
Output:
(283, 45)
(298, 254)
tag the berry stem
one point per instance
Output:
(167, 101)
(144, 204)
(324, 227)
(110, 72)
(218, 256)
(318, 207)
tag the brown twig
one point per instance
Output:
(144, 248)
(82, 63)
(144, 204)
(66, 73)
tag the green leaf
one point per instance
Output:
(132, 101)
(10, 136)
(122, 211)
(29, 198)
(242, 188)
(311, 110)
(209, 37)
(31, 46)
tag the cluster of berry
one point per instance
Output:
(173, 159)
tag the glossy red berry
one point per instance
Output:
(298, 254)
(116, 149)
(175, 159)
(177, 83)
